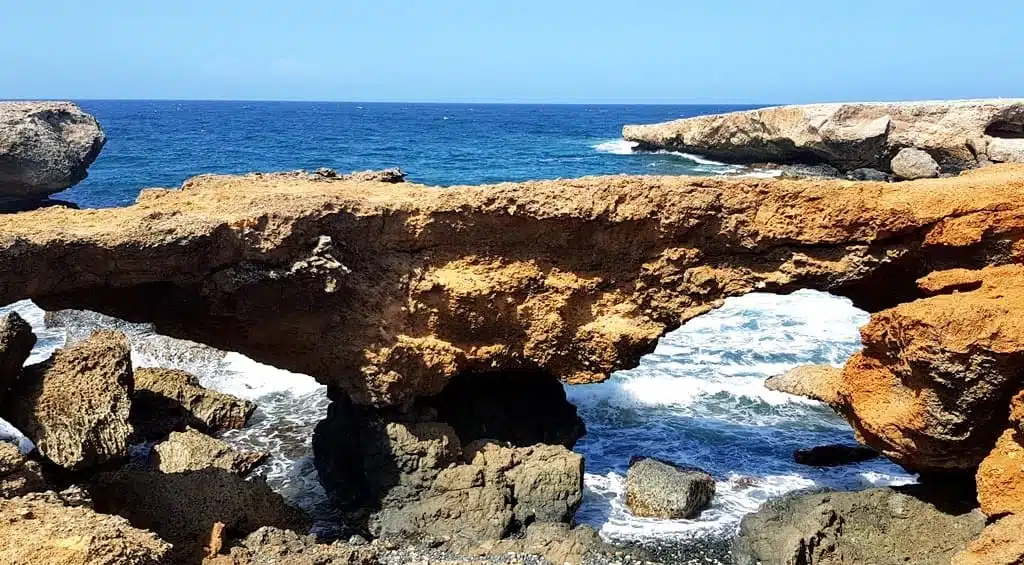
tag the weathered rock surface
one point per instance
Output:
(879, 526)
(192, 450)
(75, 405)
(167, 400)
(817, 382)
(40, 529)
(16, 343)
(834, 455)
(658, 489)
(912, 164)
(45, 147)
(18, 474)
(1001, 543)
(848, 136)
(183, 508)
(1001, 477)
(273, 546)
(390, 291)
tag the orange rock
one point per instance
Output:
(1001, 543)
(1001, 477)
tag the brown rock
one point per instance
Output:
(40, 529)
(1017, 411)
(169, 400)
(75, 405)
(390, 291)
(191, 451)
(1001, 477)
(183, 508)
(1002, 543)
(817, 382)
(16, 343)
(18, 475)
(272, 546)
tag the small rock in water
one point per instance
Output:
(834, 455)
(658, 489)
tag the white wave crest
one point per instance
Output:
(616, 147)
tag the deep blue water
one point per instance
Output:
(162, 143)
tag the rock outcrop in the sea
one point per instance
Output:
(16, 343)
(192, 451)
(45, 147)
(167, 400)
(75, 405)
(958, 135)
(41, 529)
(658, 489)
(834, 455)
(879, 526)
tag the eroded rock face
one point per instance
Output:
(167, 400)
(1002, 543)
(390, 291)
(75, 405)
(183, 508)
(18, 474)
(45, 147)
(658, 489)
(192, 451)
(848, 136)
(16, 343)
(879, 526)
(40, 528)
(1001, 476)
(274, 546)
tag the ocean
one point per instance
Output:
(697, 400)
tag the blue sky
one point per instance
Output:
(649, 51)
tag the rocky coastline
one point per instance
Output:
(444, 321)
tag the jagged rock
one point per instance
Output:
(658, 489)
(817, 382)
(16, 343)
(18, 474)
(848, 136)
(41, 529)
(45, 147)
(169, 400)
(556, 542)
(912, 164)
(1001, 476)
(192, 450)
(878, 526)
(834, 455)
(864, 173)
(273, 546)
(392, 176)
(183, 508)
(75, 405)
(1002, 543)
(414, 285)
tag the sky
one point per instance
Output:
(560, 51)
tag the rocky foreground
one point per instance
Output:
(910, 140)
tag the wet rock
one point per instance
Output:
(16, 343)
(169, 400)
(41, 529)
(1002, 543)
(185, 508)
(913, 164)
(867, 174)
(658, 489)
(75, 405)
(18, 474)
(878, 526)
(191, 451)
(834, 455)
(45, 147)
(1000, 477)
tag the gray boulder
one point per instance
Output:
(75, 405)
(658, 489)
(878, 526)
(45, 147)
(16, 343)
(913, 164)
(865, 173)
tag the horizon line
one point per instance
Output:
(438, 102)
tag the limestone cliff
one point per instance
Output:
(388, 291)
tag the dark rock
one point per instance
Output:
(16, 343)
(45, 147)
(169, 400)
(878, 526)
(191, 451)
(834, 455)
(809, 171)
(18, 474)
(658, 489)
(75, 405)
(869, 175)
(184, 508)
